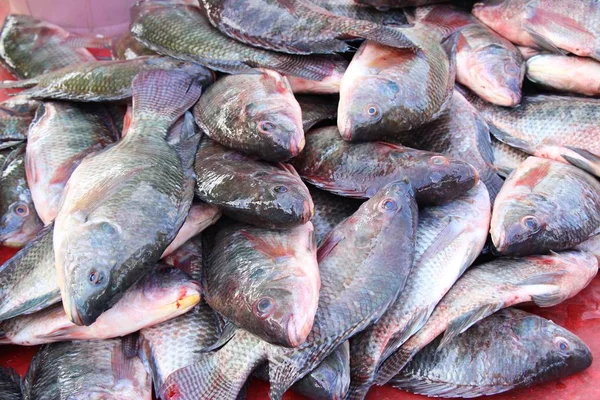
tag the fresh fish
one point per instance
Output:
(360, 169)
(506, 158)
(21, 105)
(123, 206)
(13, 127)
(565, 73)
(183, 32)
(162, 294)
(460, 133)
(122, 47)
(256, 114)
(316, 109)
(386, 90)
(385, 4)
(295, 26)
(19, 222)
(95, 369)
(30, 47)
(449, 238)
(62, 135)
(270, 195)
(99, 80)
(545, 205)
(330, 84)
(350, 9)
(264, 281)
(330, 210)
(10, 384)
(508, 350)
(487, 288)
(560, 128)
(558, 27)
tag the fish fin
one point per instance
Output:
(381, 34)
(328, 243)
(64, 171)
(10, 376)
(78, 42)
(393, 365)
(315, 68)
(504, 171)
(416, 322)
(58, 333)
(446, 236)
(122, 366)
(549, 299)
(588, 162)
(281, 377)
(450, 46)
(511, 141)
(289, 168)
(131, 345)
(270, 248)
(23, 83)
(228, 331)
(549, 278)
(322, 184)
(544, 42)
(442, 389)
(31, 172)
(465, 321)
(9, 144)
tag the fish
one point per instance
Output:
(528, 52)
(19, 221)
(330, 84)
(270, 195)
(256, 114)
(10, 384)
(362, 270)
(295, 26)
(508, 350)
(460, 133)
(124, 205)
(359, 170)
(592, 245)
(265, 281)
(387, 90)
(99, 80)
(316, 109)
(545, 205)
(506, 158)
(91, 369)
(122, 47)
(330, 210)
(386, 4)
(545, 24)
(13, 127)
(560, 128)
(22, 105)
(487, 288)
(183, 32)
(72, 132)
(449, 239)
(162, 294)
(30, 47)
(565, 73)
(349, 9)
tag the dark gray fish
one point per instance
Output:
(316, 109)
(13, 127)
(10, 384)
(330, 210)
(353, 10)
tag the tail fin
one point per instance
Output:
(23, 83)
(393, 365)
(87, 42)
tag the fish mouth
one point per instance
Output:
(308, 210)
(296, 333)
(499, 241)
(182, 304)
(73, 313)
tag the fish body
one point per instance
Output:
(354, 10)
(13, 127)
(316, 109)
(330, 210)
(506, 158)
(565, 73)
(330, 84)
(126, 47)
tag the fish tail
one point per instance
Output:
(23, 83)
(315, 68)
(78, 42)
(382, 34)
(393, 365)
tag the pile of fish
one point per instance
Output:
(326, 195)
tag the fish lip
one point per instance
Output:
(307, 211)
(499, 241)
(293, 339)
(73, 314)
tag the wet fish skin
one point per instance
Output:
(545, 205)
(270, 196)
(19, 222)
(88, 369)
(449, 238)
(330, 84)
(30, 47)
(565, 73)
(126, 47)
(264, 281)
(256, 114)
(10, 384)
(330, 210)
(353, 10)
(13, 127)
(316, 109)
(21, 104)
(385, 4)
(506, 158)
(519, 349)
(360, 169)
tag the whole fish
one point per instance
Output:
(182, 31)
(360, 169)
(386, 90)
(508, 350)
(13, 127)
(560, 128)
(295, 26)
(72, 131)
(460, 133)
(123, 206)
(10, 384)
(330, 210)
(558, 27)
(545, 205)
(94, 369)
(487, 288)
(19, 222)
(30, 47)
(349, 9)
(449, 238)
(506, 158)
(264, 281)
(98, 80)
(270, 195)
(316, 109)
(162, 294)
(565, 73)
(330, 84)
(256, 114)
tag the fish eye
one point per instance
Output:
(21, 210)
(264, 307)
(388, 204)
(266, 127)
(96, 277)
(280, 189)
(168, 270)
(438, 160)
(372, 110)
(531, 223)
(562, 344)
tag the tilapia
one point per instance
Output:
(264, 281)
(84, 369)
(449, 238)
(269, 195)
(21, 104)
(182, 31)
(13, 127)
(62, 135)
(330, 84)
(350, 9)
(510, 349)
(256, 114)
(30, 47)
(565, 73)
(316, 109)
(19, 222)
(122, 47)
(487, 288)
(10, 384)
(558, 27)
(99, 80)
(123, 206)
(330, 210)
(506, 158)
(545, 205)
(360, 169)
